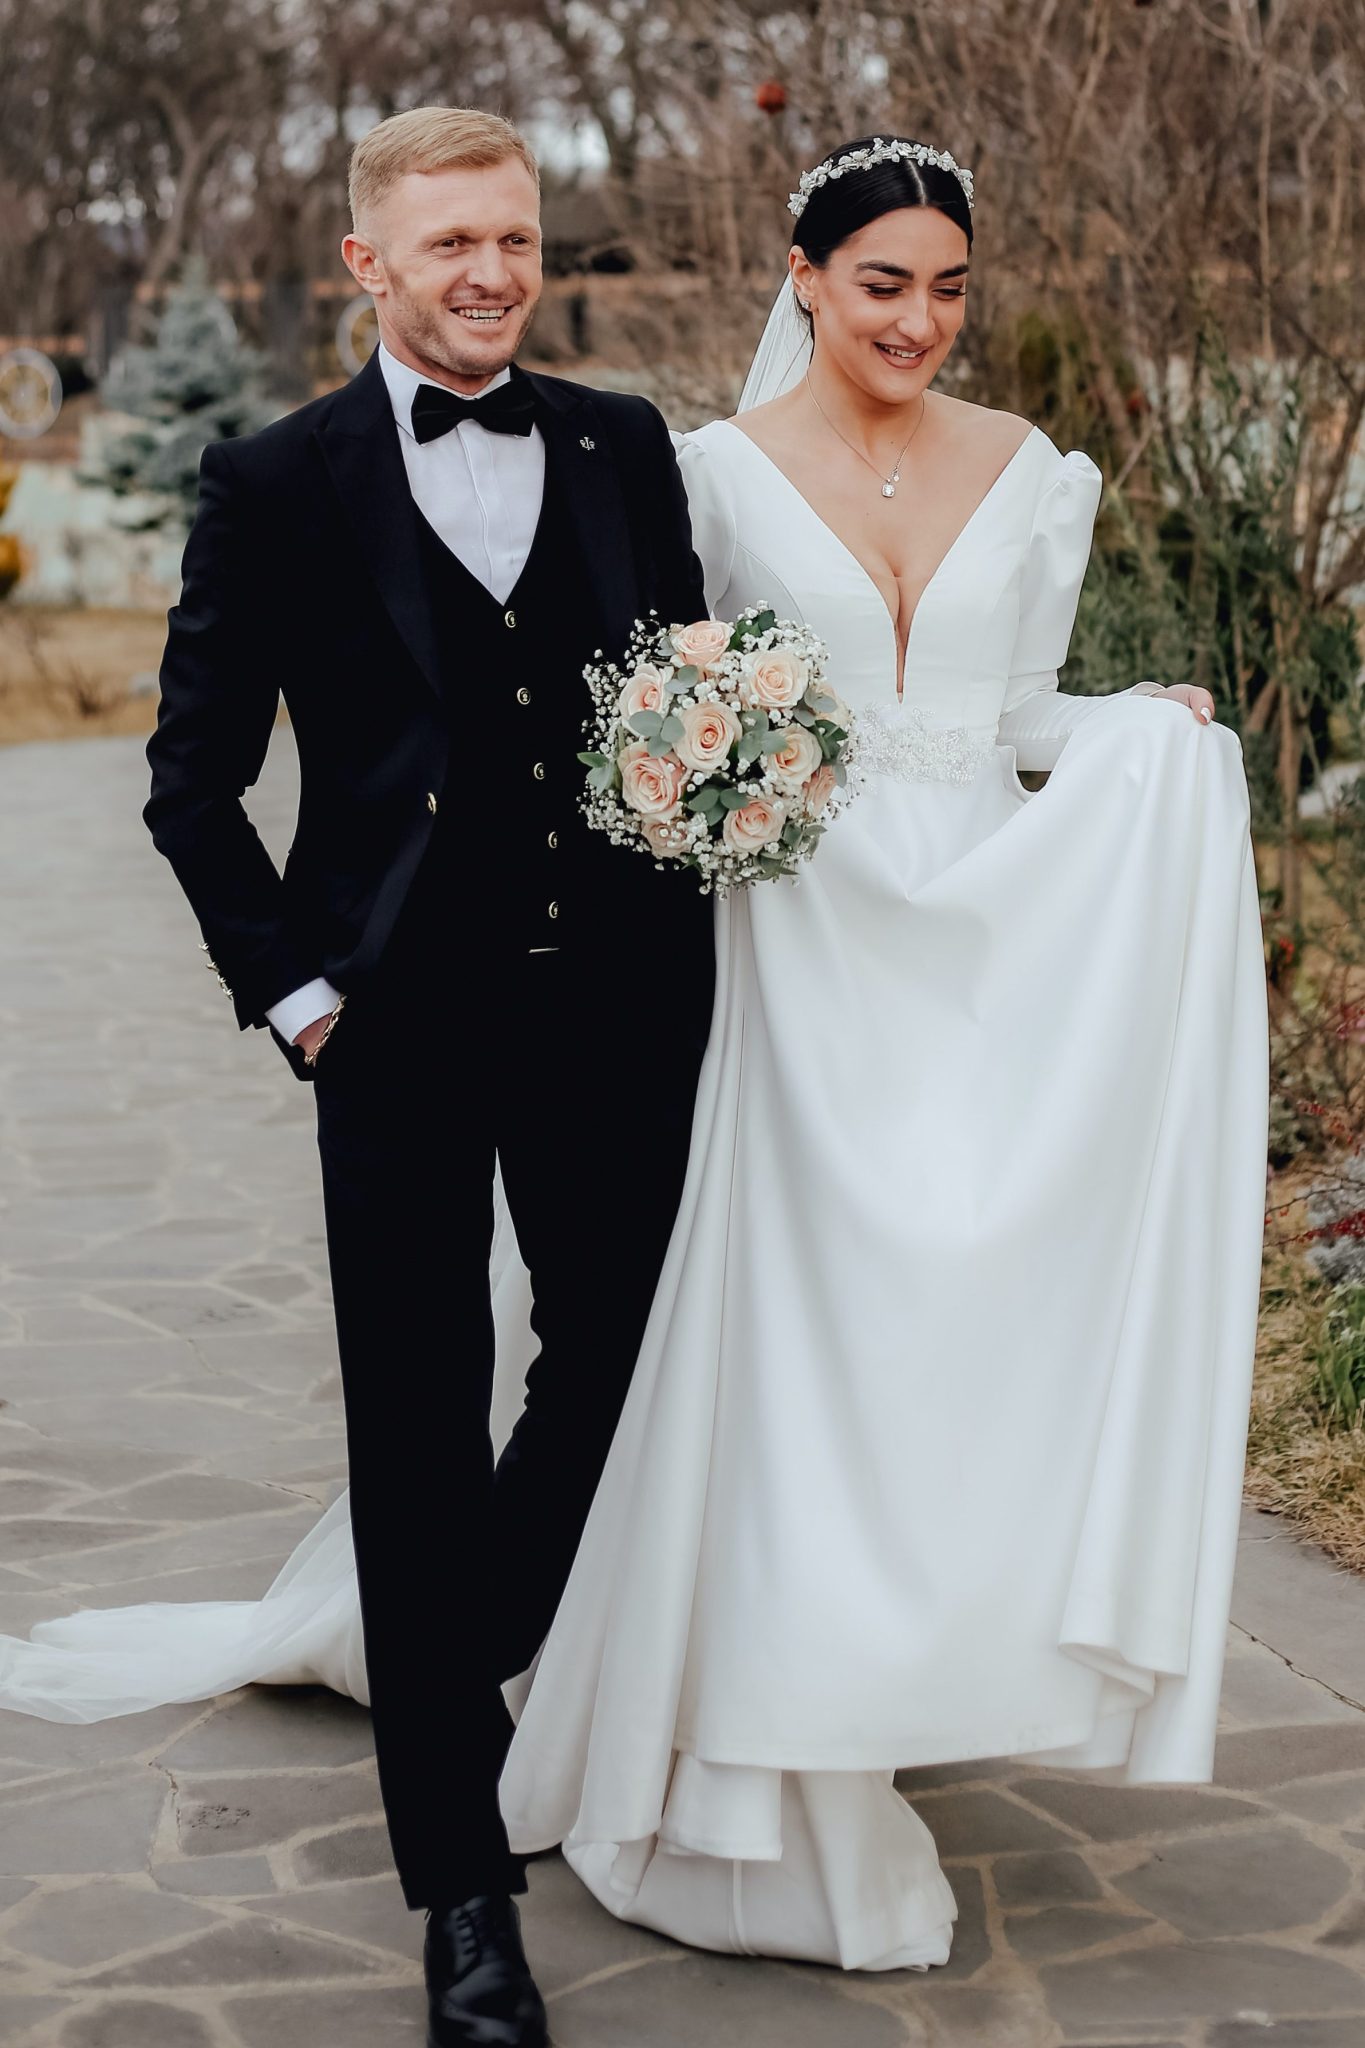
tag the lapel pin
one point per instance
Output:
(587, 442)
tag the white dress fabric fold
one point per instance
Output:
(935, 1443)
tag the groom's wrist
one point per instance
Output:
(311, 1004)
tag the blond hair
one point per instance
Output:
(431, 139)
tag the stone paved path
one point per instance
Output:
(217, 1876)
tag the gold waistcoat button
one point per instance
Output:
(509, 618)
(554, 910)
(431, 802)
(539, 771)
(523, 695)
(553, 841)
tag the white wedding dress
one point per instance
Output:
(934, 1447)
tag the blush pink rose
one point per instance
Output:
(709, 732)
(653, 785)
(795, 761)
(757, 825)
(775, 680)
(702, 644)
(667, 837)
(820, 789)
(644, 691)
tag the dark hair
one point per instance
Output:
(838, 208)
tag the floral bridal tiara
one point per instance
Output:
(784, 349)
(884, 150)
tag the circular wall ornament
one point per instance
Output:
(30, 393)
(357, 335)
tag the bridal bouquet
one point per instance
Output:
(718, 747)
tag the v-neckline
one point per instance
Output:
(900, 665)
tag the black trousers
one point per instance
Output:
(460, 1564)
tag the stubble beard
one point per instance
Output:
(432, 334)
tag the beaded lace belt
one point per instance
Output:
(900, 741)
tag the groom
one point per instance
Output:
(421, 564)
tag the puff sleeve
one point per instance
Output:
(1036, 716)
(713, 514)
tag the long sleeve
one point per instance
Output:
(219, 695)
(713, 516)
(1037, 716)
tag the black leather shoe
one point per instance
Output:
(479, 1984)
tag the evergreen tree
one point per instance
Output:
(196, 383)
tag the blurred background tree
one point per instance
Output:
(1171, 247)
(195, 383)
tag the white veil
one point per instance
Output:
(783, 354)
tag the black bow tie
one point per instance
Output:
(511, 409)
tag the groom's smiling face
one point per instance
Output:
(452, 261)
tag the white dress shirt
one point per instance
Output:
(482, 494)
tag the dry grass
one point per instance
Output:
(65, 673)
(1296, 1467)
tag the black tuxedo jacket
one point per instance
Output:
(303, 580)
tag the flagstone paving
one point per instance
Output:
(216, 1875)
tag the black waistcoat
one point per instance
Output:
(510, 840)
(511, 862)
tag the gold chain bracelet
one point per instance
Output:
(310, 1059)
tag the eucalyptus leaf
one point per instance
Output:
(593, 760)
(704, 799)
(672, 728)
(659, 746)
(733, 799)
(803, 716)
(647, 724)
(773, 742)
(688, 675)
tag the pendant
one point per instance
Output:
(888, 490)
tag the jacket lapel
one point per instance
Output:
(577, 445)
(364, 458)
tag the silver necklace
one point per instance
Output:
(888, 483)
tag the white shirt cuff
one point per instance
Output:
(295, 1013)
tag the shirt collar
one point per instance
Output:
(403, 383)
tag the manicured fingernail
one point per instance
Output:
(1205, 713)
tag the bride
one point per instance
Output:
(934, 1446)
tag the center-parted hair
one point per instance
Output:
(843, 205)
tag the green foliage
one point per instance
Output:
(1039, 364)
(196, 383)
(1339, 1361)
(749, 626)
(1197, 574)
